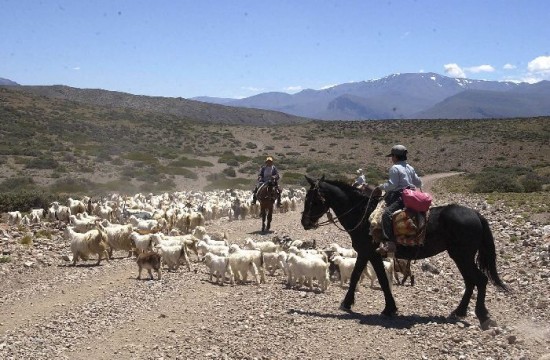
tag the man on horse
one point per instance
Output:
(268, 172)
(401, 176)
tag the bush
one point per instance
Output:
(230, 172)
(25, 200)
(17, 184)
(42, 163)
(532, 182)
(5, 259)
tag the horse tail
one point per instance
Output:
(486, 256)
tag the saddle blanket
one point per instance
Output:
(409, 228)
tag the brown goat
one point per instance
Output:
(149, 261)
(403, 266)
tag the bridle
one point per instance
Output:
(335, 220)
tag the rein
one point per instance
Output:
(330, 218)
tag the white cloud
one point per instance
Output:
(76, 68)
(509, 67)
(252, 89)
(454, 70)
(480, 68)
(540, 64)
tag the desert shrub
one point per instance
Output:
(179, 171)
(230, 172)
(185, 162)
(42, 163)
(221, 182)
(229, 158)
(26, 239)
(5, 259)
(17, 184)
(251, 145)
(507, 179)
(25, 200)
(532, 182)
(69, 185)
(140, 156)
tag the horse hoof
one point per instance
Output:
(390, 313)
(457, 315)
(345, 308)
(487, 324)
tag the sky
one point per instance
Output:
(240, 48)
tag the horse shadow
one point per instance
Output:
(395, 322)
(260, 232)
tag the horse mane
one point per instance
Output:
(347, 188)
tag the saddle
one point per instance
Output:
(409, 227)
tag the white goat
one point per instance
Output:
(272, 262)
(60, 212)
(173, 255)
(142, 243)
(254, 255)
(83, 245)
(118, 237)
(345, 267)
(218, 266)
(264, 246)
(306, 269)
(14, 217)
(203, 248)
(144, 226)
(81, 225)
(388, 267)
(345, 252)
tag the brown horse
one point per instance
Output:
(266, 195)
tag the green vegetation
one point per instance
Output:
(50, 148)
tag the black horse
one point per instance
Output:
(459, 230)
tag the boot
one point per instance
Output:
(254, 197)
(279, 200)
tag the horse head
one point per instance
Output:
(315, 205)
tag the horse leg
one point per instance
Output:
(263, 215)
(474, 278)
(390, 308)
(349, 299)
(269, 217)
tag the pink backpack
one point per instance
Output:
(416, 200)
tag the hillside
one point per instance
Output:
(183, 108)
(70, 146)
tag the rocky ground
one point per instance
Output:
(51, 310)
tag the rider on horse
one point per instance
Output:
(268, 172)
(401, 176)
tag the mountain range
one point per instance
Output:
(407, 96)
(397, 96)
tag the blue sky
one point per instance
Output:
(236, 48)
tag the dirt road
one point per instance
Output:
(103, 312)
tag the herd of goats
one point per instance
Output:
(163, 230)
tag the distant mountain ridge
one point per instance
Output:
(397, 96)
(408, 96)
(180, 107)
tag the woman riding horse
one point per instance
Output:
(268, 172)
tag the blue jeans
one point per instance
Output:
(393, 203)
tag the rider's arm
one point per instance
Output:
(393, 181)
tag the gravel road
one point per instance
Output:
(53, 311)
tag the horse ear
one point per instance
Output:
(310, 180)
(322, 178)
